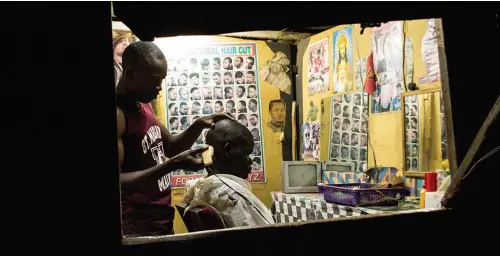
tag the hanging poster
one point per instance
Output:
(318, 67)
(349, 137)
(122, 37)
(361, 73)
(342, 60)
(310, 143)
(208, 79)
(429, 51)
(275, 72)
(412, 132)
(387, 48)
(408, 60)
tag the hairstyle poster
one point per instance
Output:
(318, 67)
(349, 137)
(342, 60)
(208, 79)
(310, 143)
(387, 48)
(412, 132)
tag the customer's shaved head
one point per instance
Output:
(229, 131)
(232, 143)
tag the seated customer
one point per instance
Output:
(225, 188)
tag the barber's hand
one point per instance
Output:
(210, 120)
(188, 159)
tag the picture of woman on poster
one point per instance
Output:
(120, 41)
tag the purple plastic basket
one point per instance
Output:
(364, 195)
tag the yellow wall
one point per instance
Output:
(272, 149)
(385, 129)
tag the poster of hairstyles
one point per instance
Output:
(342, 60)
(208, 79)
(310, 143)
(122, 37)
(387, 48)
(318, 67)
(349, 131)
(412, 133)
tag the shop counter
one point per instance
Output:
(288, 208)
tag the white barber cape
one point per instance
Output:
(235, 210)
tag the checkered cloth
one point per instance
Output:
(302, 207)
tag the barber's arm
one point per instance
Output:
(174, 145)
(133, 180)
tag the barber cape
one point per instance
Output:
(235, 210)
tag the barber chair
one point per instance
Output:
(200, 218)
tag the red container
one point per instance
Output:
(431, 181)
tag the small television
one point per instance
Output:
(337, 166)
(300, 176)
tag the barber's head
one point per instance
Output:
(232, 143)
(144, 68)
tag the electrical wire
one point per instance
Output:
(495, 150)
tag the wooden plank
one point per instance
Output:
(293, 37)
(478, 140)
(445, 88)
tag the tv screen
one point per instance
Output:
(302, 176)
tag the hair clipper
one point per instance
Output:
(207, 156)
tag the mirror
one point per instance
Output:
(425, 144)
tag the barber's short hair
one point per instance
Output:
(137, 52)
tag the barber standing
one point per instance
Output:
(143, 143)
